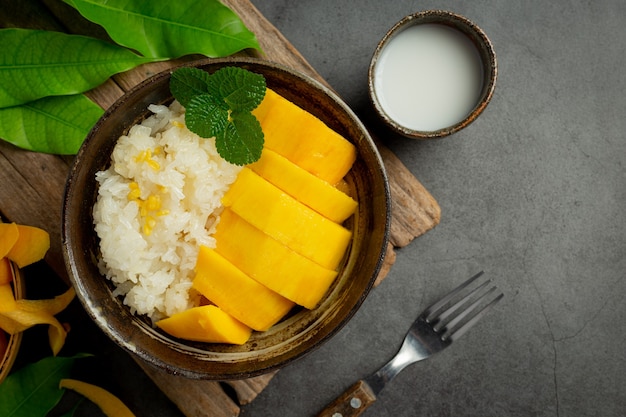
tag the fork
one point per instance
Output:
(435, 329)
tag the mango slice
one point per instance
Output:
(237, 294)
(30, 247)
(287, 220)
(108, 403)
(6, 273)
(8, 236)
(206, 323)
(304, 186)
(304, 139)
(271, 263)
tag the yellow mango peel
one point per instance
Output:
(24, 245)
(31, 245)
(19, 315)
(110, 405)
(6, 271)
(8, 236)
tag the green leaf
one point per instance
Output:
(241, 142)
(240, 89)
(220, 106)
(34, 390)
(186, 83)
(205, 117)
(37, 63)
(170, 29)
(56, 125)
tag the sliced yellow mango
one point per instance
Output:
(304, 186)
(31, 245)
(285, 219)
(6, 272)
(237, 294)
(206, 323)
(8, 236)
(304, 139)
(108, 403)
(271, 263)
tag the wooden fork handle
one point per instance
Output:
(353, 402)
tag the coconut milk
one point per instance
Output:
(428, 77)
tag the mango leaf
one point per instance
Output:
(38, 63)
(170, 29)
(34, 390)
(56, 125)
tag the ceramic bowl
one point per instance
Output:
(291, 338)
(405, 72)
(13, 342)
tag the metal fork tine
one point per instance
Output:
(432, 311)
(455, 334)
(440, 320)
(464, 307)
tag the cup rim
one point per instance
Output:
(478, 38)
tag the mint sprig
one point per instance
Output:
(220, 105)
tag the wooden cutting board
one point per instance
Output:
(32, 184)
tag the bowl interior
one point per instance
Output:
(477, 37)
(297, 334)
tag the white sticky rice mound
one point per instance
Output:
(153, 268)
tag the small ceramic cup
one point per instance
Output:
(432, 74)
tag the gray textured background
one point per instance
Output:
(533, 193)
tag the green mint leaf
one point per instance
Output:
(240, 89)
(219, 105)
(187, 83)
(241, 142)
(205, 116)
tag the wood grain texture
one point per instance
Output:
(192, 397)
(352, 403)
(32, 184)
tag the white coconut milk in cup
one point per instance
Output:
(432, 74)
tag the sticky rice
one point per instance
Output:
(157, 203)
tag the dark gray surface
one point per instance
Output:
(532, 192)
